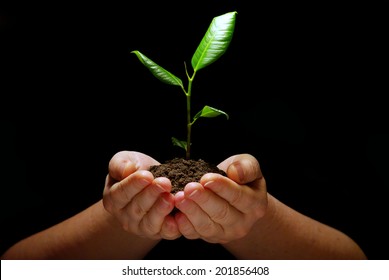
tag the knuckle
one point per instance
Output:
(137, 209)
(254, 203)
(127, 226)
(191, 236)
(147, 227)
(240, 232)
(207, 228)
(168, 236)
(118, 192)
(236, 196)
(259, 207)
(222, 215)
(261, 210)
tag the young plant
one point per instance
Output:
(213, 45)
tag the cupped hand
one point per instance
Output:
(221, 209)
(140, 202)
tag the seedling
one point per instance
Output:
(213, 45)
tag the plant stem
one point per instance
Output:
(188, 114)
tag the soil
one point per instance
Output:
(182, 171)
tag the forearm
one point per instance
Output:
(91, 234)
(284, 233)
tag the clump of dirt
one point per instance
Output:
(182, 171)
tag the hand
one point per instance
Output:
(140, 202)
(220, 209)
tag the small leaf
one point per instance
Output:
(179, 143)
(209, 112)
(215, 41)
(159, 72)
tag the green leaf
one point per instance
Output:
(159, 72)
(209, 112)
(215, 41)
(179, 143)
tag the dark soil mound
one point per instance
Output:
(181, 171)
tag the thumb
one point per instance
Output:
(124, 163)
(243, 169)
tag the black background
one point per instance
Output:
(302, 85)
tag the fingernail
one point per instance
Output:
(208, 184)
(160, 188)
(145, 182)
(194, 194)
(237, 168)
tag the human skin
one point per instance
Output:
(237, 212)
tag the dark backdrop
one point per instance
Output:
(302, 86)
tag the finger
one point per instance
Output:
(185, 226)
(123, 192)
(124, 163)
(200, 220)
(242, 168)
(170, 228)
(242, 197)
(145, 199)
(217, 208)
(152, 222)
(107, 198)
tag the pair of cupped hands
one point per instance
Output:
(217, 209)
